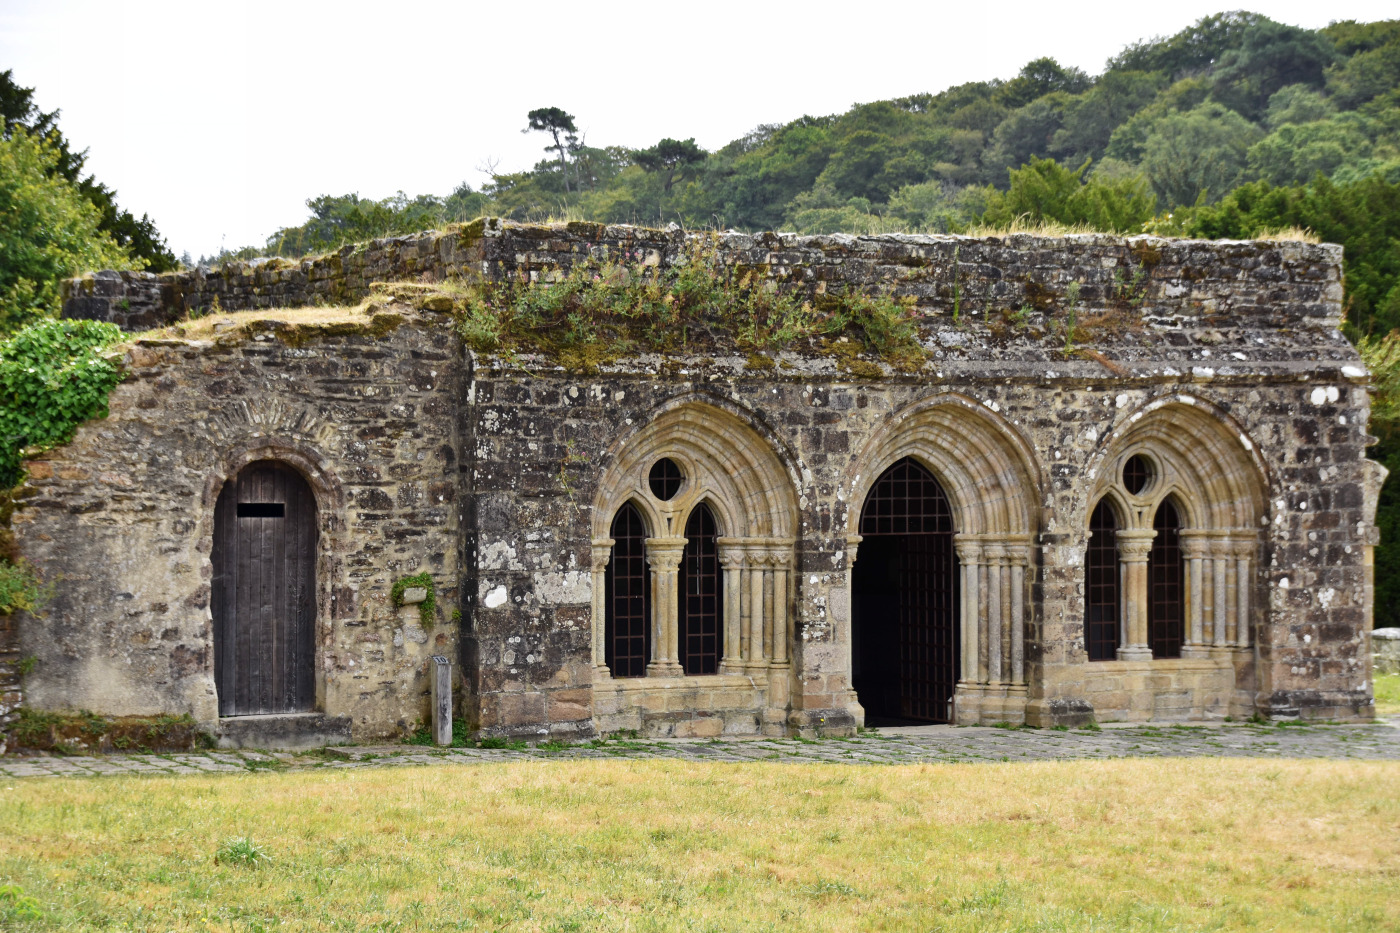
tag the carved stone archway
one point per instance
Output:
(990, 476)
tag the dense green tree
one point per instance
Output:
(138, 237)
(1038, 78)
(560, 126)
(48, 231)
(1194, 49)
(1270, 56)
(1366, 75)
(1044, 190)
(1297, 103)
(1024, 135)
(1090, 118)
(1199, 154)
(1292, 155)
(670, 156)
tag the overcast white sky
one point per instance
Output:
(220, 120)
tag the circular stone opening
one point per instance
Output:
(1137, 474)
(665, 479)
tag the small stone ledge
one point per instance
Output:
(284, 731)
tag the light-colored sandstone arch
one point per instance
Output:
(1209, 467)
(735, 470)
(993, 483)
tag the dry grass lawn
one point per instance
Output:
(1153, 845)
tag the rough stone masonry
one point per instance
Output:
(1171, 519)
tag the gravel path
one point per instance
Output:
(907, 745)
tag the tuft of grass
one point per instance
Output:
(241, 851)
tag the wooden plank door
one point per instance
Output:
(264, 592)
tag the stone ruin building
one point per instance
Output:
(1171, 521)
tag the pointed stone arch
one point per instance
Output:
(993, 483)
(732, 464)
(1208, 466)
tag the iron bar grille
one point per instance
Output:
(1101, 585)
(701, 608)
(665, 479)
(1166, 616)
(627, 632)
(908, 502)
(1137, 473)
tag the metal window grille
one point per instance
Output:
(907, 501)
(1101, 585)
(702, 605)
(1166, 616)
(1137, 473)
(665, 479)
(627, 635)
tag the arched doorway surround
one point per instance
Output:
(992, 481)
(1182, 453)
(731, 469)
(904, 592)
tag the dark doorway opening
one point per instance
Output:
(264, 592)
(904, 632)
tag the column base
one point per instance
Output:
(1223, 652)
(1195, 651)
(1135, 653)
(665, 669)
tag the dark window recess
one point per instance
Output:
(1166, 618)
(665, 479)
(1137, 473)
(627, 632)
(905, 590)
(702, 605)
(262, 510)
(1101, 584)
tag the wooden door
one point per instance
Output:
(264, 592)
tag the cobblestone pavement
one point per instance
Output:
(910, 745)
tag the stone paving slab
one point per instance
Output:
(1379, 741)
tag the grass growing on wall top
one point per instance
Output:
(1161, 845)
(600, 311)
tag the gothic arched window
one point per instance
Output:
(1166, 616)
(627, 637)
(701, 603)
(1101, 622)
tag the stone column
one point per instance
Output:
(1244, 580)
(1194, 549)
(1220, 552)
(731, 561)
(969, 558)
(782, 562)
(758, 621)
(1134, 546)
(602, 551)
(995, 555)
(1020, 559)
(664, 556)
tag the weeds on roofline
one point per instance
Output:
(602, 310)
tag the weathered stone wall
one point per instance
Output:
(11, 695)
(121, 519)
(1221, 284)
(1231, 347)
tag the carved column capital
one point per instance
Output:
(1244, 548)
(664, 554)
(601, 551)
(1194, 546)
(1135, 545)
